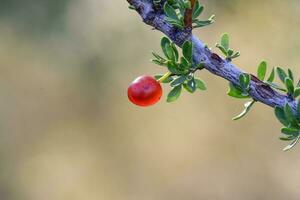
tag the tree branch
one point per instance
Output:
(212, 62)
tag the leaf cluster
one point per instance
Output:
(175, 13)
(181, 68)
(291, 122)
(224, 48)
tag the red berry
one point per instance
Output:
(144, 91)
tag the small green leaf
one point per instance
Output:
(272, 76)
(237, 54)
(279, 113)
(235, 92)
(290, 131)
(287, 138)
(244, 81)
(167, 80)
(198, 9)
(289, 85)
(170, 11)
(230, 52)
(175, 51)
(291, 75)
(184, 63)
(281, 73)
(288, 112)
(174, 94)
(190, 86)
(178, 81)
(261, 71)
(187, 50)
(297, 92)
(225, 41)
(200, 84)
(203, 23)
(222, 49)
(172, 67)
(247, 106)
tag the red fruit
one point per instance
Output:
(144, 91)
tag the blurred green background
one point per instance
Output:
(68, 132)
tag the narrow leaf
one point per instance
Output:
(272, 76)
(261, 71)
(225, 41)
(178, 81)
(281, 73)
(289, 85)
(187, 50)
(200, 84)
(174, 94)
(279, 113)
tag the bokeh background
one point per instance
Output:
(68, 132)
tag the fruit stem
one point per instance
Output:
(164, 77)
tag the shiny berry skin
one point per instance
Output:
(144, 91)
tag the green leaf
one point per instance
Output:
(298, 85)
(200, 84)
(170, 12)
(288, 112)
(290, 131)
(185, 64)
(287, 138)
(289, 85)
(203, 23)
(230, 52)
(175, 51)
(292, 145)
(167, 80)
(172, 67)
(297, 92)
(190, 86)
(174, 94)
(272, 76)
(236, 92)
(225, 41)
(244, 81)
(198, 9)
(247, 106)
(177, 23)
(291, 75)
(187, 50)
(178, 81)
(281, 73)
(165, 42)
(237, 54)
(279, 113)
(261, 71)
(222, 49)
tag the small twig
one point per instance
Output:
(188, 17)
